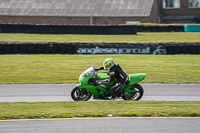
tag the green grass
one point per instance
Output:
(140, 37)
(99, 109)
(26, 69)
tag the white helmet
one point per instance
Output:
(108, 63)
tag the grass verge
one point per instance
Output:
(49, 69)
(99, 109)
(140, 37)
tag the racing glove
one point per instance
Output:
(96, 69)
(99, 68)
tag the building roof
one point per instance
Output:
(104, 8)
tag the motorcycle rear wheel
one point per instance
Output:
(78, 95)
(136, 95)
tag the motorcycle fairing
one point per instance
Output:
(135, 78)
(104, 75)
(95, 90)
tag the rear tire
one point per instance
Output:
(136, 95)
(77, 96)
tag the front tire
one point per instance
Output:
(80, 94)
(136, 95)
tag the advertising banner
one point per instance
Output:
(124, 49)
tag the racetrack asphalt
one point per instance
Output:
(62, 92)
(103, 125)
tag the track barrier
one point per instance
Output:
(192, 28)
(99, 48)
(68, 29)
(87, 29)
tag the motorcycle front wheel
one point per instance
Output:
(80, 94)
(136, 95)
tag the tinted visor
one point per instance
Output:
(106, 66)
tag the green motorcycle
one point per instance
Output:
(87, 87)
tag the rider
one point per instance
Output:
(116, 72)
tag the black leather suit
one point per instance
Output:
(119, 75)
